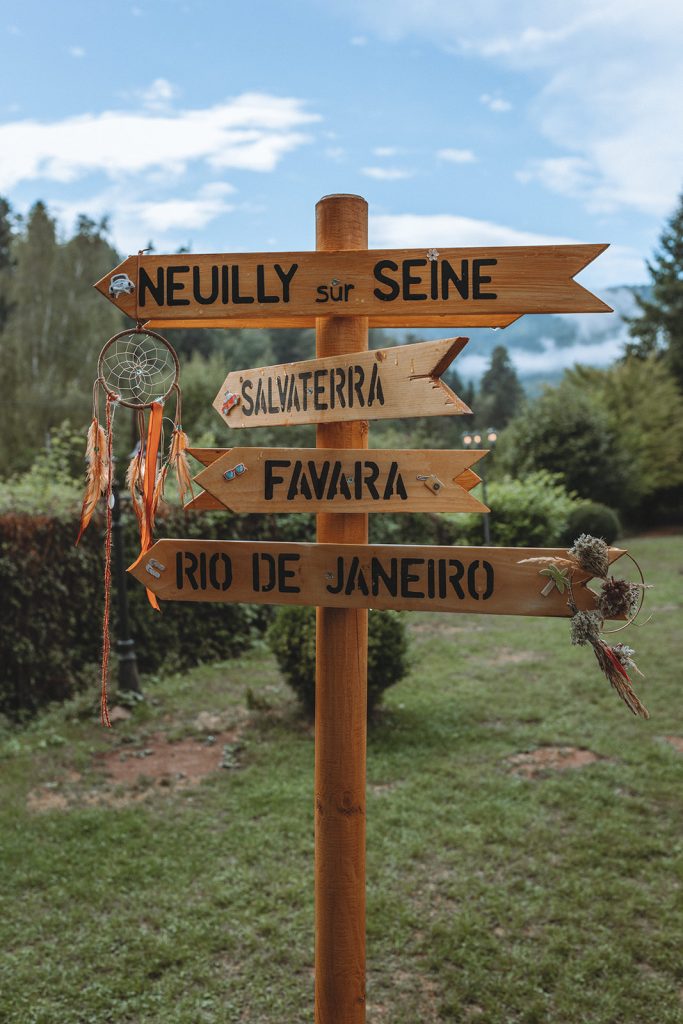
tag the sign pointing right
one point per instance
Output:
(388, 383)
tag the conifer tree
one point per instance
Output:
(659, 328)
(500, 391)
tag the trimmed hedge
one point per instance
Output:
(51, 601)
(292, 641)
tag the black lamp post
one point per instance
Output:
(477, 439)
(125, 646)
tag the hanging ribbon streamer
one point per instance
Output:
(137, 369)
(106, 635)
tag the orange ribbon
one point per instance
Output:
(149, 481)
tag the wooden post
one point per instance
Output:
(341, 693)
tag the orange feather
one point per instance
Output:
(97, 473)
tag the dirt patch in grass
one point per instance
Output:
(137, 773)
(534, 763)
(676, 742)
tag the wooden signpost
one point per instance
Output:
(388, 383)
(486, 286)
(494, 581)
(342, 289)
(341, 480)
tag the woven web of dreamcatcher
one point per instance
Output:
(139, 368)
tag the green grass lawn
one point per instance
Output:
(492, 897)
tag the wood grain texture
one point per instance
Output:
(449, 322)
(341, 682)
(341, 480)
(387, 383)
(382, 283)
(490, 581)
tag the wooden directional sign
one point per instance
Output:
(206, 502)
(387, 383)
(389, 286)
(340, 480)
(441, 579)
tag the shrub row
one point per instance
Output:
(51, 603)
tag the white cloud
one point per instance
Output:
(553, 358)
(335, 153)
(359, 41)
(77, 51)
(495, 103)
(416, 230)
(158, 95)
(618, 264)
(136, 220)
(252, 131)
(457, 156)
(386, 173)
(383, 151)
(610, 80)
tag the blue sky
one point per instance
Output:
(218, 125)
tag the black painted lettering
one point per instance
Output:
(488, 569)
(360, 380)
(472, 579)
(347, 289)
(281, 384)
(173, 286)
(190, 566)
(247, 400)
(304, 377)
(272, 408)
(430, 578)
(356, 578)
(371, 474)
(236, 297)
(319, 479)
(449, 276)
(155, 290)
(260, 400)
(261, 294)
(456, 576)
(375, 391)
(478, 279)
(339, 387)
(322, 292)
(408, 577)
(393, 288)
(380, 575)
(269, 562)
(294, 481)
(319, 389)
(334, 482)
(285, 574)
(222, 580)
(411, 279)
(202, 571)
(204, 300)
(434, 279)
(286, 277)
(225, 284)
(270, 479)
(339, 583)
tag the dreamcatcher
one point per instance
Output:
(137, 369)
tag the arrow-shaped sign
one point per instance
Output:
(206, 502)
(382, 384)
(392, 286)
(444, 579)
(340, 480)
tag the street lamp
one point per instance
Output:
(482, 439)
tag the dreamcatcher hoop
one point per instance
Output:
(138, 367)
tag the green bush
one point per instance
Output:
(593, 518)
(532, 511)
(51, 600)
(292, 640)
